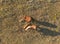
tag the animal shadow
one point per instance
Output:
(44, 23)
(48, 32)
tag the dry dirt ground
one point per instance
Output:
(46, 12)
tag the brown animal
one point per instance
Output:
(28, 19)
(30, 27)
(28, 24)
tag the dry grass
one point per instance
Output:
(46, 12)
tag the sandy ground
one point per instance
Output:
(46, 12)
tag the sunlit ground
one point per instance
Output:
(47, 12)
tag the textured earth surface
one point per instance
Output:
(46, 12)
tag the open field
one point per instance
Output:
(46, 12)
